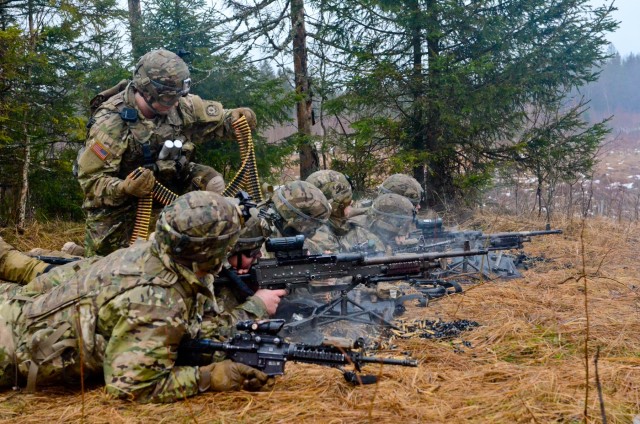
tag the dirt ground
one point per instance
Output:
(562, 341)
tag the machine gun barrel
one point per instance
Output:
(514, 240)
(524, 233)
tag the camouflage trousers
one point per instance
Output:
(107, 230)
(25, 342)
(27, 351)
(10, 311)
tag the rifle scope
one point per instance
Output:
(285, 244)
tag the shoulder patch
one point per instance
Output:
(100, 150)
(212, 110)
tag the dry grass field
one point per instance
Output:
(560, 342)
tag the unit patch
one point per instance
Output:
(212, 110)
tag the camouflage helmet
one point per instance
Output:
(391, 215)
(163, 76)
(336, 188)
(252, 235)
(198, 228)
(302, 207)
(404, 185)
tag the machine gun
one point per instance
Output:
(507, 241)
(258, 345)
(433, 236)
(293, 268)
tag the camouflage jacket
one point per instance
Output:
(116, 146)
(121, 317)
(360, 239)
(324, 240)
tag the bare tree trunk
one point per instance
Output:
(308, 155)
(551, 192)
(417, 88)
(135, 21)
(621, 204)
(539, 197)
(570, 205)
(24, 190)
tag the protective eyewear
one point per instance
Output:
(173, 91)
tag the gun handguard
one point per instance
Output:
(258, 345)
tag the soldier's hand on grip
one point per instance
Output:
(271, 299)
(227, 376)
(139, 183)
(247, 113)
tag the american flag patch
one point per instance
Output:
(100, 151)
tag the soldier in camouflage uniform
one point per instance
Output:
(128, 130)
(336, 188)
(230, 305)
(405, 186)
(299, 207)
(360, 239)
(248, 248)
(122, 317)
(391, 217)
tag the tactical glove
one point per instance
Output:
(227, 376)
(235, 114)
(139, 183)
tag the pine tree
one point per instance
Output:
(462, 77)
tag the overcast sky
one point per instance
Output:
(627, 38)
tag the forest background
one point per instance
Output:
(476, 99)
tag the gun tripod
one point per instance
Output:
(340, 309)
(468, 266)
(495, 264)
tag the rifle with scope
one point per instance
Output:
(258, 345)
